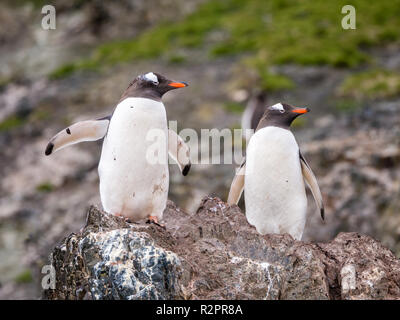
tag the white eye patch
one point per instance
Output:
(151, 77)
(278, 107)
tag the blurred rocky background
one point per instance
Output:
(229, 51)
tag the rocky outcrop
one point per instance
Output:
(215, 254)
(359, 174)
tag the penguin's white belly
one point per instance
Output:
(130, 184)
(274, 188)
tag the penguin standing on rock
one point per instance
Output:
(133, 168)
(273, 174)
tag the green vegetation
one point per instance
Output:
(40, 114)
(372, 84)
(274, 82)
(45, 187)
(4, 81)
(11, 123)
(234, 107)
(299, 122)
(269, 33)
(24, 277)
(66, 69)
(176, 59)
(17, 121)
(347, 105)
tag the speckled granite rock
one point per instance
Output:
(126, 264)
(216, 254)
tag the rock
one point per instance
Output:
(359, 176)
(113, 261)
(215, 254)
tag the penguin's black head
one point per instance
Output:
(152, 85)
(281, 115)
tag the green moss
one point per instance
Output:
(4, 81)
(371, 84)
(64, 71)
(11, 123)
(154, 42)
(39, 115)
(234, 107)
(24, 277)
(271, 32)
(346, 105)
(275, 82)
(16, 121)
(299, 122)
(176, 59)
(45, 187)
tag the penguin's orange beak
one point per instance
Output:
(178, 84)
(301, 110)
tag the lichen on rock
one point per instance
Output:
(127, 264)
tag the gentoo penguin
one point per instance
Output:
(272, 176)
(133, 168)
(253, 112)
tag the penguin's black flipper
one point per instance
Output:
(179, 151)
(237, 185)
(89, 130)
(313, 184)
(186, 169)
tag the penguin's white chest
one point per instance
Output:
(274, 188)
(133, 168)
